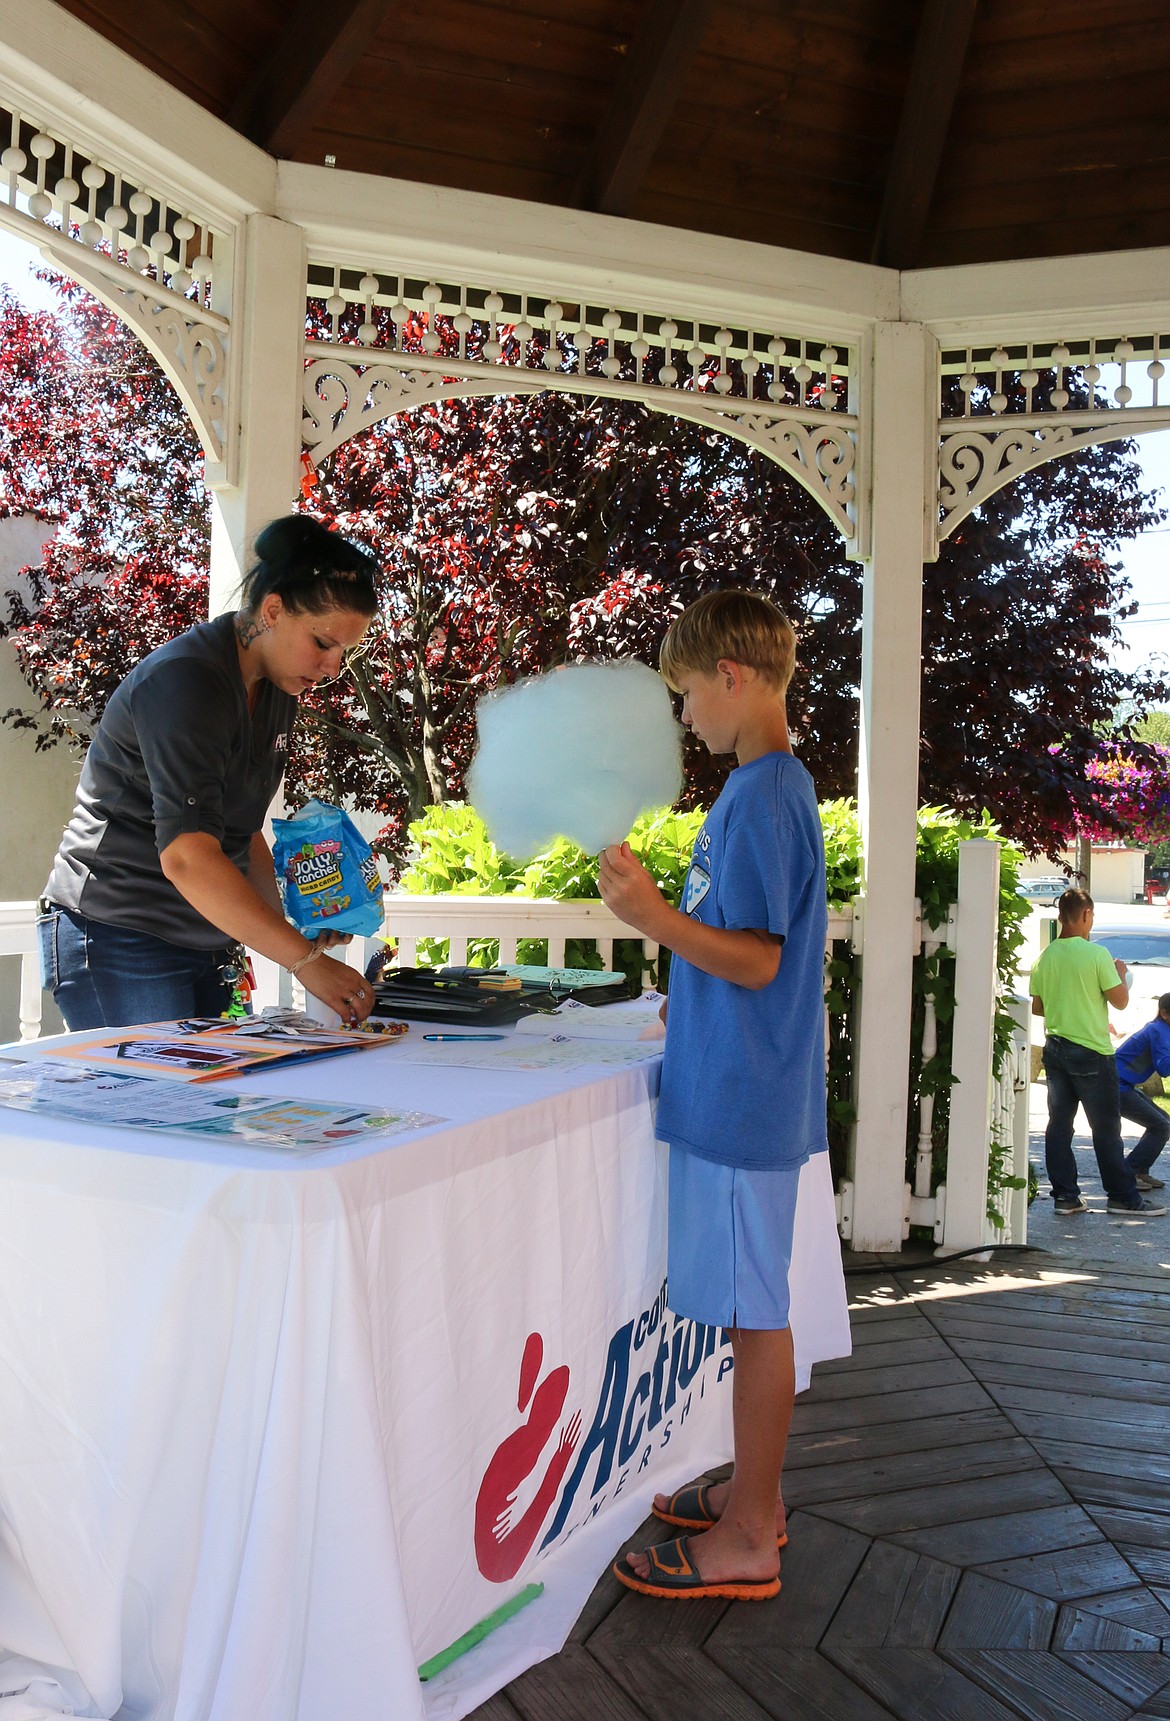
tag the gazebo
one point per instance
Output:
(974, 209)
(906, 248)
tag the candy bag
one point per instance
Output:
(327, 872)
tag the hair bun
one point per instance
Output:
(294, 535)
(310, 567)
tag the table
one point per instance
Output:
(275, 1431)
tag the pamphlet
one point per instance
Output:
(204, 1049)
(126, 1100)
(632, 1021)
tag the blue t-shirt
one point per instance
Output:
(743, 1076)
(1145, 1053)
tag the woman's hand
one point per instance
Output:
(327, 940)
(340, 987)
(200, 871)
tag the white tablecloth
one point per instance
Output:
(265, 1422)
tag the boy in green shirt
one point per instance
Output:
(1071, 986)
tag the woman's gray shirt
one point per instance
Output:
(177, 750)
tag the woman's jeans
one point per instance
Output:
(1138, 1109)
(1078, 1076)
(105, 976)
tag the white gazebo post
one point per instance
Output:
(903, 458)
(268, 332)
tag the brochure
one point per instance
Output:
(635, 1020)
(203, 1049)
(130, 1101)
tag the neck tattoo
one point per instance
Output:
(248, 629)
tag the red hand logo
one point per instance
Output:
(501, 1547)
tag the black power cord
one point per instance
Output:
(944, 1260)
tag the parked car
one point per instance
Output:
(1145, 950)
(1044, 892)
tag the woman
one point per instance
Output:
(163, 871)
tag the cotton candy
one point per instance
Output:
(580, 753)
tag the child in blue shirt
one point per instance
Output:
(1144, 1054)
(743, 1079)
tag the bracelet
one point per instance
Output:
(314, 950)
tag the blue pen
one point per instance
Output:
(465, 1036)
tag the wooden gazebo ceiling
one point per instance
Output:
(906, 132)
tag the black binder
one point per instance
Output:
(475, 995)
(448, 995)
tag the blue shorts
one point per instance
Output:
(729, 1242)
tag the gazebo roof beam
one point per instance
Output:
(1039, 298)
(939, 51)
(643, 100)
(362, 220)
(316, 51)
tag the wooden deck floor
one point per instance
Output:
(979, 1517)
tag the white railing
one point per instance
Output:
(1010, 1120)
(981, 1107)
(955, 1210)
(18, 937)
(411, 918)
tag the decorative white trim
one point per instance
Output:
(61, 251)
(391, 341)
(191, 347)
(1084, 375)
(650, 342)
(149, 261)
(1012, 406)
(343, 398)
(55, 190)
(974, 463)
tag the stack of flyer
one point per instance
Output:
(207, 1049)
(141, 1078)
(633, 1020)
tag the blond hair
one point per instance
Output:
(742, 627)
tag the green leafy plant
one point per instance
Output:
(841, 829)
(452, 852)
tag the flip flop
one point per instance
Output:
(688, 1510)
(674, 1576)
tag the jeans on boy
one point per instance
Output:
(1078, 1076)
(1138, 1109)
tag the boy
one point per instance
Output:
(1143, 1055)
(1071, 985)
(743, 1079)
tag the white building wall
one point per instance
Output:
(1118, 874)
(37, 787)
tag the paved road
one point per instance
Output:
(1095, 1234)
